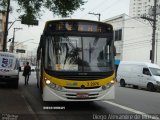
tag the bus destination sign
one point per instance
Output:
(78, 26)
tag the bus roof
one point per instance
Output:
(82, 20)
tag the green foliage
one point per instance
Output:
(31, 9)
(3, 6)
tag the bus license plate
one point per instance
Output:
(82, 95)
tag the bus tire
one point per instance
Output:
(122, 83)
(150, 87)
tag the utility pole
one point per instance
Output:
(154, 30)
(6, 27)
(99, 15)
(12, 44)
(153, 21)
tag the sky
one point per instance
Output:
(31, 34)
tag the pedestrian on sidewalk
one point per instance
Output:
(27, 73)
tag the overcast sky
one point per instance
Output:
(107, 9)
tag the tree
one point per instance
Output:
(31, 9)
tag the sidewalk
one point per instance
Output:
(13, 105)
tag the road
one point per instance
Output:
(25, 103)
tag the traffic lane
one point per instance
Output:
(71, 110)
(13, 104)
(139, 99)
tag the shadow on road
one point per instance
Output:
(6, 86)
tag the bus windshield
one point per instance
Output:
(78, 54)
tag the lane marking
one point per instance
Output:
(133, 110)
(29, 108)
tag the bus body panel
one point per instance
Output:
(78, 83)
(71, 93)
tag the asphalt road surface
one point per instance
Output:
(25, 103)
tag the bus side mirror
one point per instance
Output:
(114, 51)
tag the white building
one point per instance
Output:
(139, 8)
(132, 38)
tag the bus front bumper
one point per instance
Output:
(96, 94)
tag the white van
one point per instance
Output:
(9, 69)
(139, 74)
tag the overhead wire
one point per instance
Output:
(104, 1)
(95, 7)
(115, 2)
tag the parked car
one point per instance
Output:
(33, 68)
(139, 74)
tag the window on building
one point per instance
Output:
(118, 35)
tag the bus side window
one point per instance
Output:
(146, 71)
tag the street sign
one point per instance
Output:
(20, 51)
(29, 22)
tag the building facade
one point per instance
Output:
(139, 8)
(132, 39)
(2, 25)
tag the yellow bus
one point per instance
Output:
(75, 60)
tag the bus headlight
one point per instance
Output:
(107, 86)
(48, 82)
(53, 86)
(112, 82)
